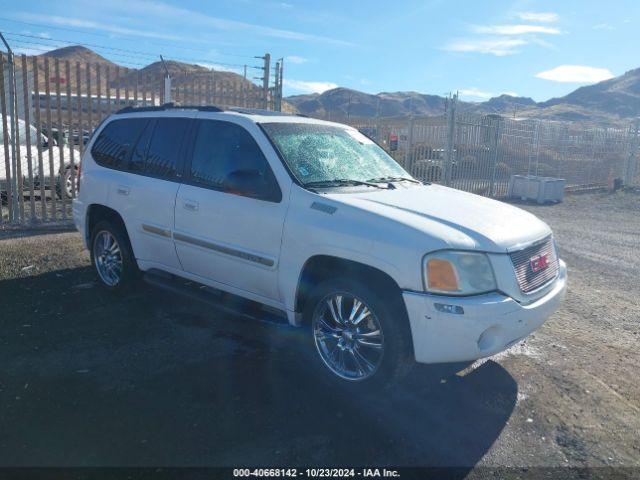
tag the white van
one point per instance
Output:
(314, 219)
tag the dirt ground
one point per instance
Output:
(87, 378)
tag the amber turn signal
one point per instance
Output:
(441, 275)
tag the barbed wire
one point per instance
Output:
(104, 35)
(114, 51)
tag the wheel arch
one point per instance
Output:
(96, 213)
(322, 267)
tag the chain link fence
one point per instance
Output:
(50, 107)
(480, 153)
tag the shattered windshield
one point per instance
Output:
(322, 153)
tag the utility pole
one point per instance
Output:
(266, 68)
(12, 111)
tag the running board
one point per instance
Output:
(222, 302)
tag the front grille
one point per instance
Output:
(524, 263)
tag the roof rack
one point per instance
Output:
(170, 106)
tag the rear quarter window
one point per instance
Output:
(113, 146)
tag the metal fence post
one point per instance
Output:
(451, 128)
(631, 167)
(11, 83)
(276, 90)
(167, 83)
(281, 83)
(409, 156)
(265, 81)
(494, 155)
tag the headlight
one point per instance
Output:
(458, 273)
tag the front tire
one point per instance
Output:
(112, 257)
(361, 337)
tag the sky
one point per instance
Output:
(482, 48)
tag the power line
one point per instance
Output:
(42, 50)
(54, 43)
(39, 25)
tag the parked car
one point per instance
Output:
(314, 219)
(60, 176)
(78, 136)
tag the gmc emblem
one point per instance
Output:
(539, 262)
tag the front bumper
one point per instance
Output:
(490, 323)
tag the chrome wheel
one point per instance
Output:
(348, 336)
(108, 258)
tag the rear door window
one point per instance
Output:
(163, 154)
(139, 153)
(113, 146)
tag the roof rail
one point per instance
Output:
(169, 106)
(262, 111)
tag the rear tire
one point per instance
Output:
(357, 350)
(64, 185)
(112, 257)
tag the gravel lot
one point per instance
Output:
(87, 378)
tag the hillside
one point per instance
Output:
(77, 53)
(618, 96)
(191, 80)
(612, 101)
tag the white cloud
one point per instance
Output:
(575, 74)
(309, 87)
(515, 29)
(543, 17)
(160, 12)
(296, 59)
(475, 93)
(89, 24)
(220, 68)
(603, 26)
(498, 47)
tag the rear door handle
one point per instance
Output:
(123, 190)
(191, 205)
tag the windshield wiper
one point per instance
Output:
(393, 179)
(339, 182)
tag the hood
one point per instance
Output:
(458, 219)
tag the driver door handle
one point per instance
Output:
(191, 205)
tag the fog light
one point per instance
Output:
(444, 308)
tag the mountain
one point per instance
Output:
(615, 101)
(77, 53)
(508, 103)
(618, 96)
(191, 80)
(184, 73)
(340, 102)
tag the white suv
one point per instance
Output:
(314, 219)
